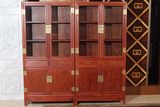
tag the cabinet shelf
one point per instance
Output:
(88, 40)
(61, 40)
(113, 40)
(60, 22)
(113, 22)
(35, 22)
(85, 22)
(37, 41)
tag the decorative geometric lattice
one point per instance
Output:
(137, 34)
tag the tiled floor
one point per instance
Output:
(130, 100)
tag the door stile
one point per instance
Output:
(76, 44)
(72, 30)
(48, 22)
(124, 46)
(101, 37)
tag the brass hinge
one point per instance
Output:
(100, 78)
(100, 28)
(72, 50)
(124, 72)
(124, 50)
(124, 11)
(77, 50)
(72, 10)
(25, 73)
(49, 79)
(24, 51)
(48, 29)
(123, 88)
(25, 90)
(75, 89)
(76, 11)
(76, 72)
(23, 12)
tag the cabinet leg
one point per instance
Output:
(75, 103)
(26, 103)
(122, 101)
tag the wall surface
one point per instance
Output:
(11, 79)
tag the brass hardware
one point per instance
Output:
(76, 11)
(23, 12)
(123, 88)
(124, 11)
(72, 50)
(72, 10)
(137, 52)
(25, 90)
(25, 73)
(138, 5)
(48, 29)
(100, 28)
(75, 89)
(77, 50)
(76, 72)
(137, 29)
(124, 72)
(24, 51)
(49, 79)
(136, 75)
(124, 50)
(100, 78)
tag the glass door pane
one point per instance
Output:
(113, 31)
(88, 31)
(35, 31)
(61, 41)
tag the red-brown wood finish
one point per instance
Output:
(95, 54)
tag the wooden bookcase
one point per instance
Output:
(74, 51)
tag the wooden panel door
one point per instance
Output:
(112, 80)
(87, 50)
(35, 39)
(36, 81)
(61, 50)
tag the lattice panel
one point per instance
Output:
(137, 37)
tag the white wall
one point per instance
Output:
(11, 79)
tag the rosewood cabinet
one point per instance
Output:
(74, 51)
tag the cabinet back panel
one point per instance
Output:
(35, 13)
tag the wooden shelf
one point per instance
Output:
(60, 22)
(35, 22)
(85, 22)
(61, 40)
(88, 40)
(113, 40)
(38, 40)
(113, 22)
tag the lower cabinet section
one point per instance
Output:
(61, 85)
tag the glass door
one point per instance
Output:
(113, 31)
(61, 31)
(35, 31)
